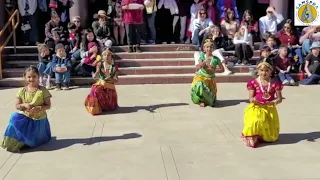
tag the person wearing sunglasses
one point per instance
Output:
(200, 26)
(289, 37)
(270, 22)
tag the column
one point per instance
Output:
(79, 8)
(2, 14)
(281, 7)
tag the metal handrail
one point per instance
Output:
(14, 20)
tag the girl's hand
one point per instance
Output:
(35, 109)
(27, 107)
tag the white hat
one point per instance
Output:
(315, 45)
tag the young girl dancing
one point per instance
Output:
(261, 121)
(204, 87)
(103, 94)
(29, 127)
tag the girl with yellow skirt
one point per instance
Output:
(261, 120)
(204, 87)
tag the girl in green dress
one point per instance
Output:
(204, 87)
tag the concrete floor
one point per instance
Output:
(158, 134)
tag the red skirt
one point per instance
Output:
(102, 97)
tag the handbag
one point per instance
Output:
(25, 26)
(92, 104)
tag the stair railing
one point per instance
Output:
(14, 22)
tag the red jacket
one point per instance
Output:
(132, 16)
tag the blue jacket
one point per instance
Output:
(59, 61)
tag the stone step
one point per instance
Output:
(123, 55)
(145, 48)
(153, 48)
(127, 62)
(146, 70)
(141, 79)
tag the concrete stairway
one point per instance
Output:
(157, 64)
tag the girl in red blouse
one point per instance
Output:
(290, 39)
(251, 24)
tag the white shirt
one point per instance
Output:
(33, 4)
(201, 24)
(246, 38)
(270, 24)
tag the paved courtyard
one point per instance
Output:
(158, 134)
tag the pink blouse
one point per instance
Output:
(274, 86)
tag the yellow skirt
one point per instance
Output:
(204, 90)
(262, 122)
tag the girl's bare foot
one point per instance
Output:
(202, 105)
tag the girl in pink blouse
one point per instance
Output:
(261, 120)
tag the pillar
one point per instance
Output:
(80, 8)
(2, 14)
(281, 7)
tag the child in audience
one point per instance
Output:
(90, 62)
(61, 65)
(44, 65)
(29, 127)
(261, 120)
(272, 44)
(283, 65)
(312, 66)
(74, 38)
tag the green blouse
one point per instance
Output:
(105, 72)
(214, 62)
(36, 98)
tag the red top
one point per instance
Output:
(252, 27)
(286, 39)
(228, 4)
(132, 16)
(282, 63)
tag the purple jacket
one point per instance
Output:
(222, 4)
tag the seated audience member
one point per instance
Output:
(308, 36)
(243, 45)
(290, 39)
(221, 43)
(283, 66)
(102, 29)
(54, 25)
(200, 26)
(89, 63)
(251, 24)
(312, 65)
(61, 66)
(270, 22)
(44, 66)
(74, 38)
(271, 43)
(265, 56)
(88, 36)
(230, 25)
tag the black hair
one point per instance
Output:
(31, 69)
(72, 25)
(59, 46)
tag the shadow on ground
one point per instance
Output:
(56, 144)
(151, 108)
(293, 138)
(233, 102)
